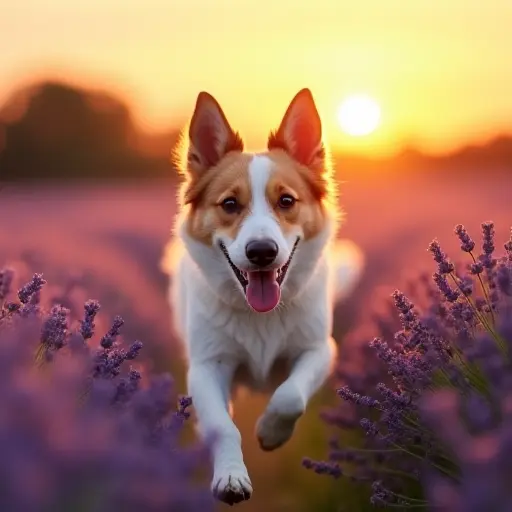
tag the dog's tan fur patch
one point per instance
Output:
(302, 183)
(230, 178)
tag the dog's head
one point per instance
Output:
(257, 211)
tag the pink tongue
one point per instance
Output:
(263, 291)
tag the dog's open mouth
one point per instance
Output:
(262, 287)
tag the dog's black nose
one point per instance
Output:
(261, 252)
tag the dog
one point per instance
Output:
(255, 274)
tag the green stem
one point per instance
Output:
(398, 505)
(403, 497)
(40, 352)
(376, 450)
(481, 318)
(412, 454)
(397, 473)
(484, 290)
(472, 371)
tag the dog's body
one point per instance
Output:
(256, 276)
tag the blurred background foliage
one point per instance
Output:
(52, 130)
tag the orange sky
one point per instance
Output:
(440, 69)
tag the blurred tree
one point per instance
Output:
(54, 130)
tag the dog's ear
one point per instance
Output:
(210, 135)
(300, 132)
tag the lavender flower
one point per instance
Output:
(488, 238)
(134, 350)
(467, 243)
(444, 264)
(323, 468)
(30, 288)
(436, 424)
(442, 283)
(108, 340)
(55, 329)
(74, 438)
(183, 405)
(87, 324)
(486, 257)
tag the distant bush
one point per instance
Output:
(53, 130)
(438, 428)
(78, 430)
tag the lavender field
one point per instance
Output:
(105, 242)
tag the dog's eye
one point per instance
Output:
(286, 201)
(230, 205)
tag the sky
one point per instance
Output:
(439, 69)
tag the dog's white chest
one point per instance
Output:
(258, 340)
(215, 330)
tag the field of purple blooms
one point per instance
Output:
(436, 407)
(105, 243)
(79, 428)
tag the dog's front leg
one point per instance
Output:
(309, 371)
(209, 385)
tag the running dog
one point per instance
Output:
(255, 274)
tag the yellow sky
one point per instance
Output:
(440, 69)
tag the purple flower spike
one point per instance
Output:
(134, 350)
(108, 340)
(87, 326)
(55, 329)
(467, 243)
(444, 265)
(323, 468)
(476, 268)
(466, 286)
(488, 245)
(30, 288)
(441, 282)
(488, 237)
(356, 398)
(184, 403)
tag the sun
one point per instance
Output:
(359, 115)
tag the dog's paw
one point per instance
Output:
(277, 423)
(273, 429)
(232, 486)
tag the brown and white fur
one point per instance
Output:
(243, 218)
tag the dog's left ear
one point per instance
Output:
(210, 135)
(300, 132)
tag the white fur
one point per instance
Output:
(260, 223)
(221, 333)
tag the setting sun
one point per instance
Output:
(359, 115)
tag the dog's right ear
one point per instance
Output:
(300, 132)
(210, 135)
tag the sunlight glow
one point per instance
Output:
(359, 115)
